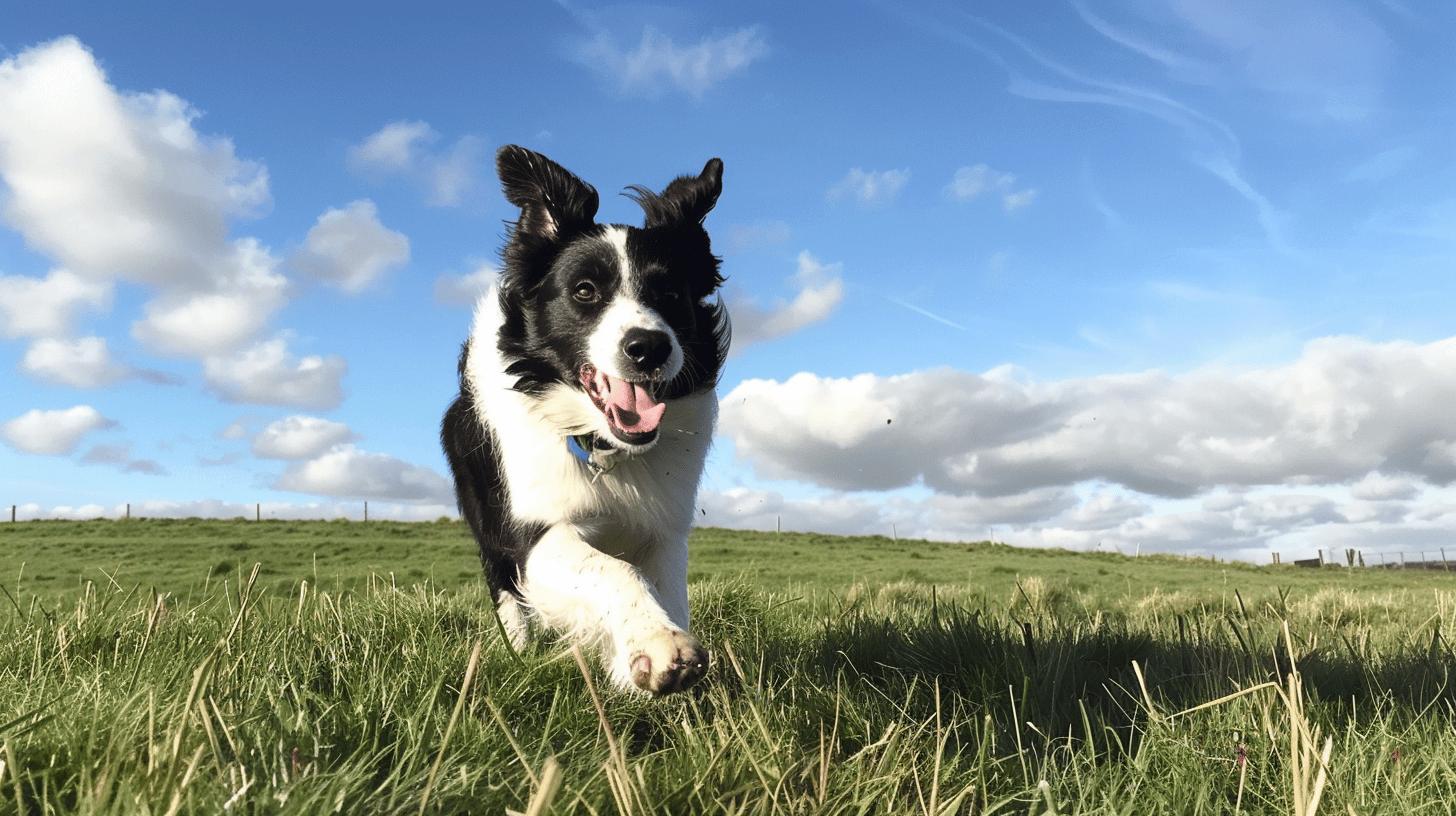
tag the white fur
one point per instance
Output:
(612, 568)
(595, 598)
(514, 619)
(627, 312)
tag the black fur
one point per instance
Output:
(481, 494)
(551, 248)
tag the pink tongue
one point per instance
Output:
(632, 408)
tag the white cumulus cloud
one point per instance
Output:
(112, 184)
(1345, 408)
(219, 319)
(46, 307)
(300, 437)
(81, 363)
(1380, 487)
(268, 374)
(394, 147)
(52, 433)
(349, 248)
(121, 186)
(936, 516)
(349, 472)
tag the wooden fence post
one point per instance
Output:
(366, 511)
(128, 511)
(258, 512)
(12, 514)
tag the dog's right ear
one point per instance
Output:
(553, 201)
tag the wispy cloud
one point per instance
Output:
(971, 182)
(924, 312)
(1271, 218)
(1011, 202)
(1183, 66)
(466, 289)
(1324, 59)
(757, 235)
(1186, 292)
(1382, 165)
(820, 289)
(869, 186)
(1110, 217)
(1212, 145)
(119, 456)
(411, 149)
(658, 63)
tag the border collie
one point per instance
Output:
(585, 412)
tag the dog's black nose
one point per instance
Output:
(647, 349)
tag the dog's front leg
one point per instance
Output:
(665, 565)
(593, 597)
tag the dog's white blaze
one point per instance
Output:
(624, 313)
(613, 567)
(653, 491)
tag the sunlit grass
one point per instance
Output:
(1045, 689)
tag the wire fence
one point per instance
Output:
(126, 515)
(1357, 559)
(1348, 558)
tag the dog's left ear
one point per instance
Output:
(687, 200)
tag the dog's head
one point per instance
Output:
(609, 323)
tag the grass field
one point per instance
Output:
(145, 667)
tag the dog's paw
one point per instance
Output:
(669, 660)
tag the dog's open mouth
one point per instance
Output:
(632, 410)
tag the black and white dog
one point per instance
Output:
(585, 412)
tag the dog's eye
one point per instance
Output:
(585, 291)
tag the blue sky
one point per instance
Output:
(1156, 275)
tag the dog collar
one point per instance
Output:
(598, 456)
